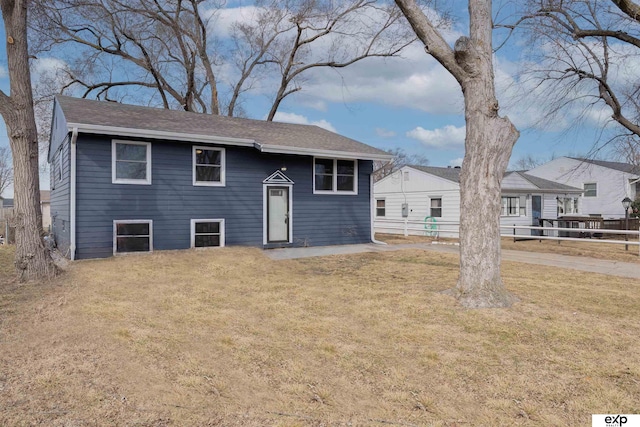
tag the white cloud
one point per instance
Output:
(384, 133)
(3, 72)
(456, 162)
(302, 120)
(414, 81)
(447, 137)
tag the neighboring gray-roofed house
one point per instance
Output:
(604, 183)
(432, 194)
(127, 178)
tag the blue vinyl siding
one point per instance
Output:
(60, 190)
(172, 200)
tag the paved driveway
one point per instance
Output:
(613, 268)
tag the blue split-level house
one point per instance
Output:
(127, 178)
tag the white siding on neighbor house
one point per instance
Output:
(514, 181)
(612, 185)
(517, 220)
(550, 206)
(418, 192)
(421, 187)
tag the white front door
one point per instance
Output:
(277, 214)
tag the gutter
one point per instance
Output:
(372, 209)
(279, 149)
(213, 139)
(159, 134)
(72, 195)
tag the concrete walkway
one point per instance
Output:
(593, 265)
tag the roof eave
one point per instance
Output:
(541, 190)
(214, 139)
(279, 149)
(159, 134)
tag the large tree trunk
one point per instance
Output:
(488, 144)
(32, 258)
(488, 147)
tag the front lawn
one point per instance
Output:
(229, 337)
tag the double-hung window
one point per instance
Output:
(335, 176)
(209, 166)
(591, 189)
(510, 206)
(134, 235)
(130, 162)
(207, 233)
(380, 207)
(436, 207)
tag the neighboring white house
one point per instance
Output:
(605, 184)
(431, 196)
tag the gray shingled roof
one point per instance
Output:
(286, 135)
(545, 184)
(623, 167)
(451, 174)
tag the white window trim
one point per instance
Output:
(223, 169)
(385, 207)
(585, 190)
(114, 180)
(505, 212)
(431, 207)
(131, 221)
(193, 233)
(58, 176)
(335, 177)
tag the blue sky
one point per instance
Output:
(413, 104)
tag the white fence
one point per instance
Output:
(449, 229)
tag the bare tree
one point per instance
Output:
(400, 159)
(351, 31)
(488, 144)
(526, 162)
(32, 259)
(627, 150)
(6, 169)
(161, 48)
(587, 54)
(157, 45)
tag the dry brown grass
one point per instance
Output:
(584, 248)
(228, 337)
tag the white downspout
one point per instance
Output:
(372, 202)
(72, 195)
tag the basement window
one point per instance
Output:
(207, 233)
(132, 236)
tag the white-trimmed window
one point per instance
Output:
(436, 207)
(335, 176)
(510, 206)
(381, 207)
(567, 205)
(208, 166)
(130, 162)
(591, 189)
(135, 235)
(59, 171)
(207, 233)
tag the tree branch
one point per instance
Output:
(434, 44)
